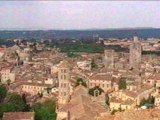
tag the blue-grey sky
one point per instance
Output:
(79, 14)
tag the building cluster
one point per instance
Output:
(119, 84)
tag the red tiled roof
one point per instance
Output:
(18, 116)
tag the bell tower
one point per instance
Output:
(64, 82)
(135, 54)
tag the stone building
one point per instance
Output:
(104, 81)
(64, 82)
(81, 107)
(109, 59)
(135, 54)
(7, 76)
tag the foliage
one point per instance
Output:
(45, 110)
(117, 48)
(148, 101)
(72, 55)
(151, 53)
(122, 83)
(80, 81)
(16, 100)
(3, 92)
(93, 64)
(51, 44)
(8, 107)
(88, 48)
(12, 103)
(91, 91)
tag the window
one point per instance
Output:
(64, 77)
(64, 85)
(107, 85)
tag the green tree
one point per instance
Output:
(7, 108)
(148, 102)
(88, 48)
(122, 83)
(12, 103)
(80, 81)
(3, 92)
(27, 106)
(45, 110)
(91, 91)
(8, 82)
(93, 64)
(72, 55)
(17, 100)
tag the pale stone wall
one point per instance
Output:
(109, 59)
(33, 89)
(62, 116)
(135, 54)
(64, 85)
(104, 84)
(7, 76)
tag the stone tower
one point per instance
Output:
(109, 59)
(64, 82)
(135, 54)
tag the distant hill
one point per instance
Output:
(107, 33)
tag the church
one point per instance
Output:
(76, 105)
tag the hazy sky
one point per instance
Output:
(79, 14)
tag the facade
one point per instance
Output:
(81, 107)
(109, 59)
(129, 99)
(2, 50)
(64, 82)
(7, 76)
(84, 65)
(34, 88)
(157, 101)
(104, 81)
(135, 54)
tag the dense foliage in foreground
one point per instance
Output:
(11, 102)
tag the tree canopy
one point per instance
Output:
(93, 64)
(147, 102)
(3, 92)
(45, 110)
(72, 55)
(16, 100)
(80, 81)
(12, 103)
(122, 83)
(91, 91)
(88, 48)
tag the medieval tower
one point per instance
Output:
(64, 82)
(135, 54)
(109, 59)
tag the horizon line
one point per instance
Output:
(45, 29)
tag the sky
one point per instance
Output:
(79, 14)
